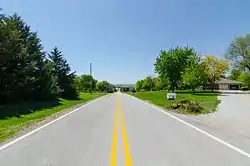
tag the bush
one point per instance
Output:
(244, 88)
(133, 90)
(191, 106)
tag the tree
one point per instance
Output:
(245, 78)
(103, 86)
(161, 83)
(138, 85)
(147, 83)
(235, 73)
(214, 68)
(172, 63)
(194, 75)
(23, 63)
(64, 75)
(239, 52)
(85, 83)
(10, 51)
(46, 87)
(77, 82)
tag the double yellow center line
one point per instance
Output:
(118, 111)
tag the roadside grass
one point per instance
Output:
(16, 117)
(208, 100)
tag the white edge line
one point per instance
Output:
(47, 124)
(197, 129)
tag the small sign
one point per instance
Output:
(171, 96)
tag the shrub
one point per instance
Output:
(191, 106)
(244, 88)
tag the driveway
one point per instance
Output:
(231, 122)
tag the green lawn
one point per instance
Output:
(14, 118)
(208, 100)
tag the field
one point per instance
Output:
(15, 118)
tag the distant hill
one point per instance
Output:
(125, 85)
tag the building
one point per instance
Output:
(226, 84)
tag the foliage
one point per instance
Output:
(24, 67)
(62, 71)
(138, 85)
(85, 81)
(152, 83)
(47, 85)
(194, 76)
(214, 68)
(148, 83)
(234, 74)
(104, 86)
(161, 83)
(239, 53)
(190, 106)
(172, 63)
(125, 89)
(244, 77)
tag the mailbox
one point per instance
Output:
(171, 96)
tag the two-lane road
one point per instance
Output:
(119, 130)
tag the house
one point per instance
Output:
(226, 84)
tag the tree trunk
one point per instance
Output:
(193, 90)
(172, 87)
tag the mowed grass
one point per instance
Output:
(15, 118)
(208, 101)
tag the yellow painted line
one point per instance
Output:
(128, 161)
(114, 138)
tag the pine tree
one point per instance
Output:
(63, 72)
(12, 77)
(24, 69)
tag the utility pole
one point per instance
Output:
(91, 82)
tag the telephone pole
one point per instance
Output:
(91, 82)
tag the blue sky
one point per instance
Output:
(122, 38)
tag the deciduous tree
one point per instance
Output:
(194, 75)
(138, 85)
(172, 63)
(234, 74)
(85, 83)
(103, 86)
(239, 52)
(244, 77)
(161, 83)
(148, 83)
(214, 68)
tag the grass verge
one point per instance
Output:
(15, 118)
(208, 100)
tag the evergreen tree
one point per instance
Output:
(63, 72)
(24, 70)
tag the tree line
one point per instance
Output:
(86, 83)
(185, 68)
(27, 72)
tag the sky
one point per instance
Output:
(122, 38)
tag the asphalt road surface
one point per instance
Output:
(119, 130)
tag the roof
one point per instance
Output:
(227, 81)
